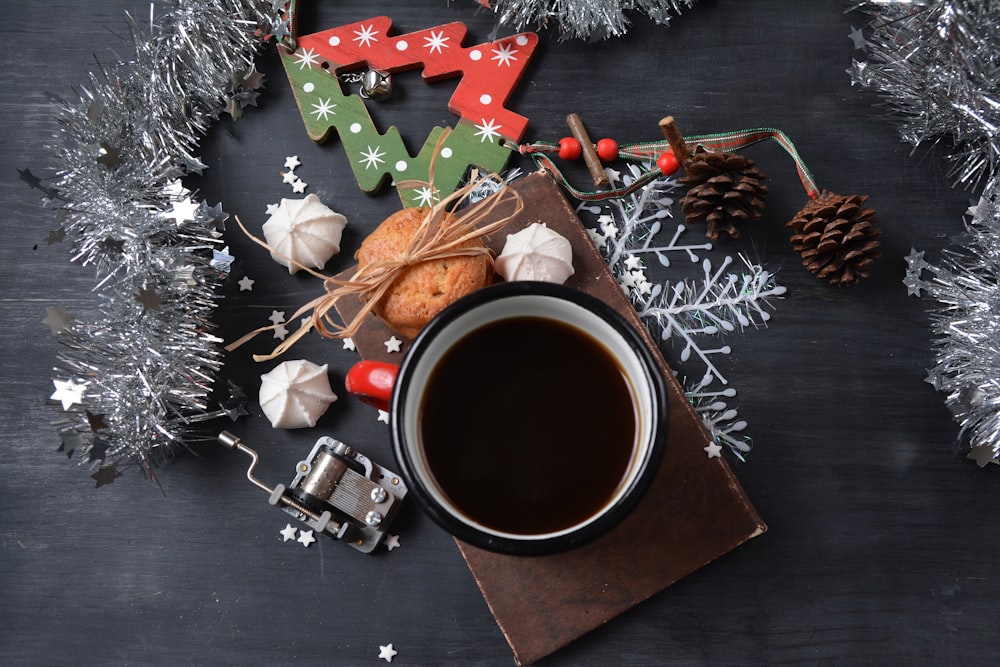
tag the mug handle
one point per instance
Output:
(372, 382)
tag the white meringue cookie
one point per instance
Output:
(305, 230)
(536, 253)
(295, 394)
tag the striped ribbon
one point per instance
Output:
(650, 150)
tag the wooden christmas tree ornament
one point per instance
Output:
(489, 73)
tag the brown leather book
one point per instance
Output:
(694, 512)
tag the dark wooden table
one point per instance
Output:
(882, 547)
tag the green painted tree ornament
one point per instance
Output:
(489, 73)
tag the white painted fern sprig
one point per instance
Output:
(720, 302)
(697, 312)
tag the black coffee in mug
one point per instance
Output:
(529, 418)
(529, 425)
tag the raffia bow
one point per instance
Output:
(440, 235)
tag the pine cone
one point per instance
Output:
(725, 189)
(837, 238)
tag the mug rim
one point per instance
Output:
(609, 516)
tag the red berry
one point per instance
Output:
(668, 163)
(607, 150)
(569, 148)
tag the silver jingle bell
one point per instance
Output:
(376, 85)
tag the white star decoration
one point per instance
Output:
(289, 177)
(69, 392)
(383, 416)
(292, 162)
(393, 344)
(287, 533)
(299, 186)
(387, 652)
(373, 157)
(504, 54)
(306, 538)
(366, 35)
(323, 109)
(349, 344)
(246, 284)
(307, 58)
(391, 542)
(714, 451)
(488, 130)
(277, 316)
(436, 41)
(425, 196)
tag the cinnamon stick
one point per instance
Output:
(675, 139)
(590, 156)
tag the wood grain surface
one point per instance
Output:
(882, 545)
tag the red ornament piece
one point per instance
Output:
(570, 148)
(607, 149)
(668, 163)
(372, 382)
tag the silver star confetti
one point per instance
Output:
(57, 318)
(69, 392)
(106, 475)
(149, 299)
(183, 211)
(222, 260)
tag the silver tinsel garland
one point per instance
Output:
(582, 19)
(937, 65)
(966, 323)
(130, 383)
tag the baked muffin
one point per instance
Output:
(424, 289)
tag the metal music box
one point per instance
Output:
(336, 491)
